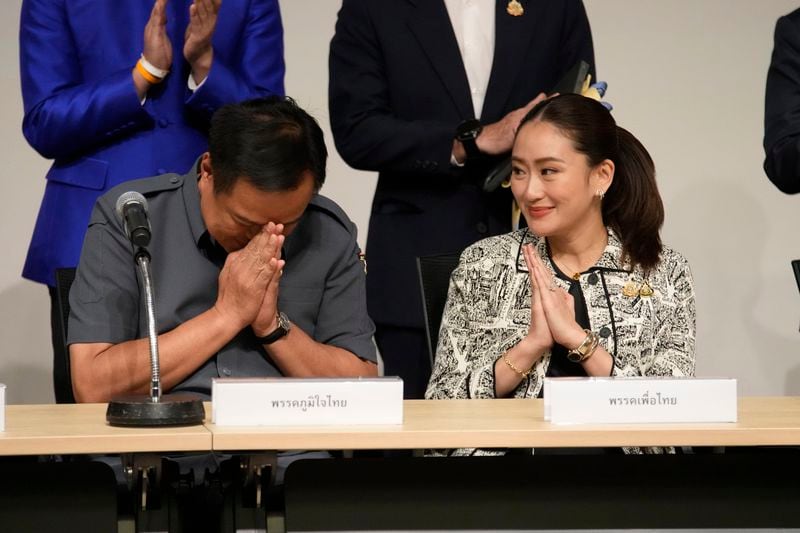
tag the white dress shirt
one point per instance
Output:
(473, 24)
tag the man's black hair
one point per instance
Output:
(269, 141)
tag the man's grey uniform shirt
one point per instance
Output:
(322, 289)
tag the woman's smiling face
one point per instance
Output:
(553, 184)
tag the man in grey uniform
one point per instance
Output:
(255, 273)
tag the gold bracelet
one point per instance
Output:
(524, 374)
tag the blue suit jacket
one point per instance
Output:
(81, 108)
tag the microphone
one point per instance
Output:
(132, 210)
(154, 409)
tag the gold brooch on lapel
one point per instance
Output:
(645, 290)
(514, 8)
(633, 289)
(630, 290)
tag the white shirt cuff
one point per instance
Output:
(194, 86)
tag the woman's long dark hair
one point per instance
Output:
(632, 206)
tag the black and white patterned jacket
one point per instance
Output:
(488, 312)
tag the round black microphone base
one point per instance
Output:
(179, 409)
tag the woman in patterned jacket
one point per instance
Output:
(588, 288)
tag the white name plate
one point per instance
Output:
(306, 402)
(639, 400)
(2, 407)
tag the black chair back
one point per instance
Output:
(62, 378)
(73, 496)
(434, 277)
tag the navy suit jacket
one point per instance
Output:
(398, 90)
(82, 111)
(782, 107)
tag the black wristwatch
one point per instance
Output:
(466, 133)
(281, 331)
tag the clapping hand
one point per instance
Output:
(157, 46)
(197, 48)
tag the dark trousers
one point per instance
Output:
(62, 385)
(54, 314)
(405, 354)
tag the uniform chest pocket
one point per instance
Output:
(301, 303)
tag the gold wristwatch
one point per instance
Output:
(585, 350)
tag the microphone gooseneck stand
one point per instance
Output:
(155, 409)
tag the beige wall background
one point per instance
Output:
(685, 76)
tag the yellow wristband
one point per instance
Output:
(153, 80)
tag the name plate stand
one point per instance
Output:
(306, 401)
(619, 400)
